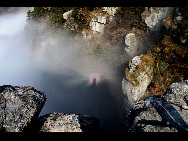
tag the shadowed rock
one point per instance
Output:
(19, 106)
(160, 113)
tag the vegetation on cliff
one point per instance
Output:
(170, 63)
(168, 58)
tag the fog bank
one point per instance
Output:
(31, 55)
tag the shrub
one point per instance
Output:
(170, 65)
(124, 20)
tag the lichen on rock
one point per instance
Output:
(60, 122)
(138, 77)
(19, 106)
(143, 63)
(160, 113)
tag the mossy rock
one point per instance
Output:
(146, 65)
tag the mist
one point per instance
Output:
(31, 55)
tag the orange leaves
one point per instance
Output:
(83, 14)
(156, 90)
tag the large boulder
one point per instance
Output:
(160, 113)
(60, 122)
(19, 106)
(138, 77)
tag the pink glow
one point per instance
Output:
(94, 75)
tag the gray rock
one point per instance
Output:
(130, 89)
(134, 93)
(155, 15)
(97, 23)
(164, 113)
(134, 62)
(18, 106)
(60, 122)
(177, 94)
(111, 11)
(97, 27)
(67, 14)
(131, 43)
(130, 40)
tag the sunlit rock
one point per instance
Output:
(110, 10)
(138, 77)
(60, 122)
(154, 15)
(67, 14)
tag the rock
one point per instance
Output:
(160, 113)
(177, 93)
(97, 23)
(110, 10)
(97, 27)
(130, 42)
(154, 15)
(60, 122)
(101, 19)
(19, 106)
(138, 77)
(67, 14)
(135, 62)
(179, 17)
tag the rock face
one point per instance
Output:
(97, 24)
(177, 94)
(154, 15)
(162, 113)
(18, 106)
(110, 10)
(130, 42)
(60, 122)
(137, 77)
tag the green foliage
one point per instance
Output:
(55, 15)
(38, 12)
(81, 16)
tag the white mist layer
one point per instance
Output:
(23, 63)
(12, 23)
(30, 55)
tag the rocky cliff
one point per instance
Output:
(160, 113)
(155, 81)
